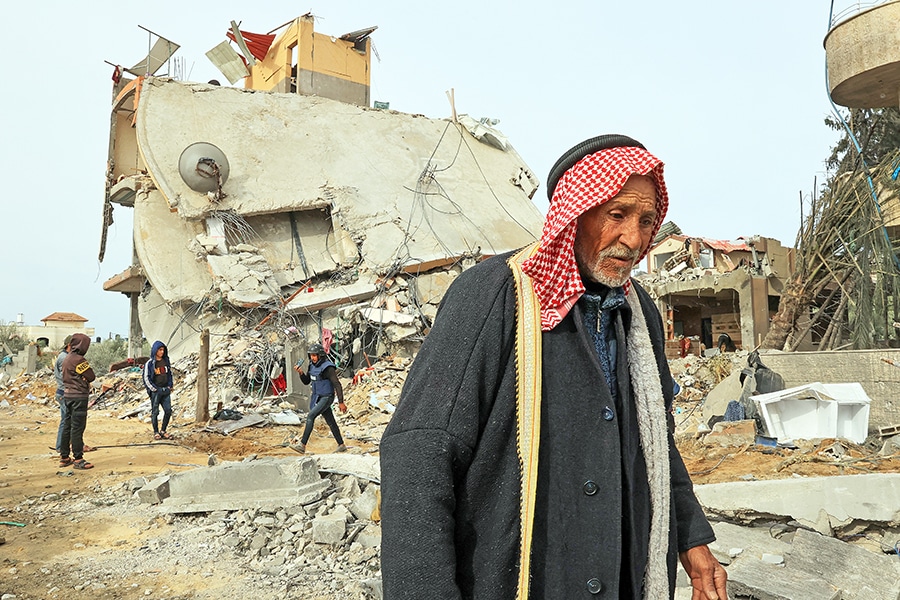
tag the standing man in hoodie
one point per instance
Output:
(60, 390)
(158, 381)
(77, 377)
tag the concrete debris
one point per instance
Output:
(732, 433)
(796, 564)
(283, 517)
(265, 483)
(826, 504)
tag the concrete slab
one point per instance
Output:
(161, 240)
(757, 580)
(718, 398)
(372, 168)
(857, 572)
(267, 483)
(384, 316)
(363, 466)
(873, 498)
(285, 417)
(751, 541)
(248, 420)
(320, 298)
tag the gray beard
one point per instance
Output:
(590, 268)
(611, 282)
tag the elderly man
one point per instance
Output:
(531, 454)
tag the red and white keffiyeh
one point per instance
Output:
(590, 182)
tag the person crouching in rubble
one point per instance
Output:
(77, 377)
(325, 384)
(158, 381)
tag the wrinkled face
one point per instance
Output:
(611, 237)
(160, 352)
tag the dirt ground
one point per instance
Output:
(73, 517)
(34, 557)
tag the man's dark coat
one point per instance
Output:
(450, 471)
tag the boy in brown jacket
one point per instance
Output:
(77, 378)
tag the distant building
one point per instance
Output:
(705, 288)
(55, 328)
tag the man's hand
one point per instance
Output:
(342, 406)
(708, 577)
(298, 368)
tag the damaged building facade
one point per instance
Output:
(292, 209)
(705, 287)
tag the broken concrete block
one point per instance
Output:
(732, 433)
(857, 572)
(718, 398)
(370, 537)
(396, 333)
(135, 484)
(844, 498)
(348, 487)
(384, 316)
(342, 512)
(733, 541)
(156, 491)
(752, 578)
(360, 465)
(266, 483)
(364, 505)
(328, 529)
(890, 446)
(431, 287)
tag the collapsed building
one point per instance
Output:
(706, 287)
(293, 208)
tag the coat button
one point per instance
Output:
(607, 413)
(594, 586)
(590, 488)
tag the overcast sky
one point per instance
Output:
(730, 95)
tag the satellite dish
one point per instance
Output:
(203, 167)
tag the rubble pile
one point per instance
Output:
(331, 528)
(697, 375)
(372, 396)
(328, 548)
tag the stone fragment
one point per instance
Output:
(364, 505)
(328, 529)
(370, 536)
(155, 491)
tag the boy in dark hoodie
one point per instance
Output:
(77, 377)
(158, 381)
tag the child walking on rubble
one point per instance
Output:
(158, 381)
(325, 384)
